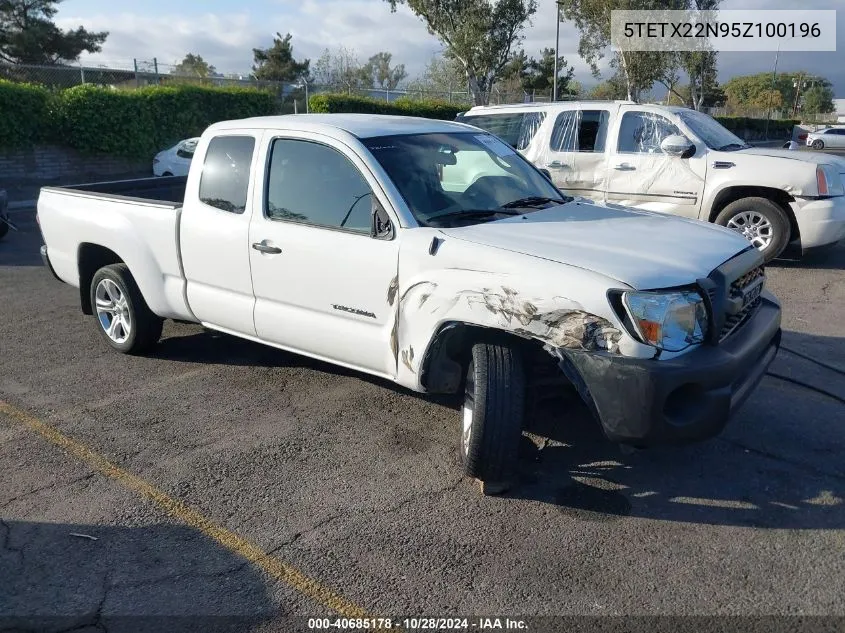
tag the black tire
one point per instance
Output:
(771, 211)
(144, 327)
(494, 401)
(818, 144)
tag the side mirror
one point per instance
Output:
(677, 145)
(546, 173)
(381, 228)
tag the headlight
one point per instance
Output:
(671, 321)
(829, 181)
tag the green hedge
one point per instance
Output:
(755, 129)
(24, 114)
(142, 122)
(427, 108)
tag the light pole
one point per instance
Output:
(557, 52)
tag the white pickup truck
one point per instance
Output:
(431, 254)
(679, 161)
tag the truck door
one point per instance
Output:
(321, 281)
(575, 154)
(640, 174)
(214, 230)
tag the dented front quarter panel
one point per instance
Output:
(561, 306)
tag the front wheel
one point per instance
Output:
(492, 416)
(123, 317)
(761, 221)
(818, 144)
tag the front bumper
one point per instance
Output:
(820, 222)
(647, 402)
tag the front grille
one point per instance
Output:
(739, 288)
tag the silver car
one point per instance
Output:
(828, 137)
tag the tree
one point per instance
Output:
(746, 92)
(613, 88)
(819, 98)
(384, 75)
(193, 66)
(441, 74)
(639, 69)
(277, 62)
(341, 70)
(479, 34)
(538, 75)
(29, 36)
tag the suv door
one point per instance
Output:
(320, 279)
(640, 174)
(575, 155)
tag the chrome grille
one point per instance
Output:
(745, 285)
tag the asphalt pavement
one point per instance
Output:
(221, 479)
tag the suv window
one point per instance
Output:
(517, 129)
(642, 132)
(315, 184)
(580, 131)
(226, 172)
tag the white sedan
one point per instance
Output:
(828, 137)
(176, 160)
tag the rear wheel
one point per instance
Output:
(123, 317)
(761, 221)
(818, 144)
(492, 416)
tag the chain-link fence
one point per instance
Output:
(292, 97)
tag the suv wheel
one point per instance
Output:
(761, 221)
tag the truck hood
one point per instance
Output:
(817, 158)
(642, 249)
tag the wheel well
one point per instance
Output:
(91, 258)
(778, 196)
(448, 354)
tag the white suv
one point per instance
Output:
(679, 161)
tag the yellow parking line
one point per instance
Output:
(273, 566)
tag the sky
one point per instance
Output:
(225, 32)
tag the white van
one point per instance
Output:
(676, 160)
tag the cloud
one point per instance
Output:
(226, 39)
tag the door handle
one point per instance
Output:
(625, 167)
(261, 247)
(557, 165)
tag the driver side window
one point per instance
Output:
(315, 184)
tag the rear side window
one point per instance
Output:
(580, 131)
(226, 173)
(517, 129)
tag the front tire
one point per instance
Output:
(818, 144)
(123, 317)
(761, 221)
(492, 416)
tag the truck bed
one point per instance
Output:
(169, 190)
(130, 221)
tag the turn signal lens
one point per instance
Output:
(821, 179)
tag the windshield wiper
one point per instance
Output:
(473, 213)
(531, 201)
(731, 146)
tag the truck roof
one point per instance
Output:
(359, 125)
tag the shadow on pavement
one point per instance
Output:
(165, 577)
(780, 463)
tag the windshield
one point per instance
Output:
(461, 177)
(709, 130)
